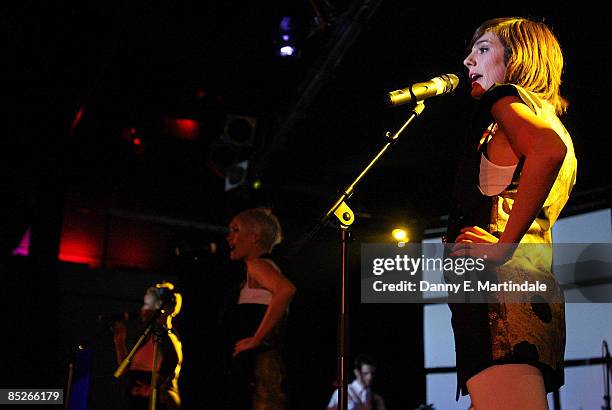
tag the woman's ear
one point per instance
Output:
(256, 235)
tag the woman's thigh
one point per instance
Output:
(508, 386)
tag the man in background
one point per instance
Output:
(360, 394)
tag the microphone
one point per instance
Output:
(443, 84)
(210, 248)
(118, 316)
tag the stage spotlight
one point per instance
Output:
(285, 44)
(235, 175)
(133, 136)
(239, 130)
(286, 51)
(400, 235)
(182, 128)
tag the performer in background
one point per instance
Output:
(360, 394)
(257, 375)
(161, 304)
(516, 177)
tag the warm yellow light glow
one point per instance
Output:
(400, 235)
(178, 346)
(165, 285)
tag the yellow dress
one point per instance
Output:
(532, 332)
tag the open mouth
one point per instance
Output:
(475, 77)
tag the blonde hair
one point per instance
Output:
(532, 55)
(266, 223)
(165, 294)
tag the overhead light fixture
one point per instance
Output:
(136, 140)
(401, 236)
(236, 175)
(239, 130)
(182, 128)
(285, 44)
(286, 51)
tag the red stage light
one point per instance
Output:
(184, 128)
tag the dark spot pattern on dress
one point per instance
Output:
(541, 308)
(526, 351)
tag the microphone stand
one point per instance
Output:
(76, 355)
(125, 363)
(154, 374)
(346, 217)
(607, 370)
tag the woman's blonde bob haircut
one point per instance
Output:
(266, 223)
(533, 56)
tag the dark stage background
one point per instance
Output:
(122, 121)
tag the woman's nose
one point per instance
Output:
(469, 61)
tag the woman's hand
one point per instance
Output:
(246, 344)
(475, 234)
(475, 242)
